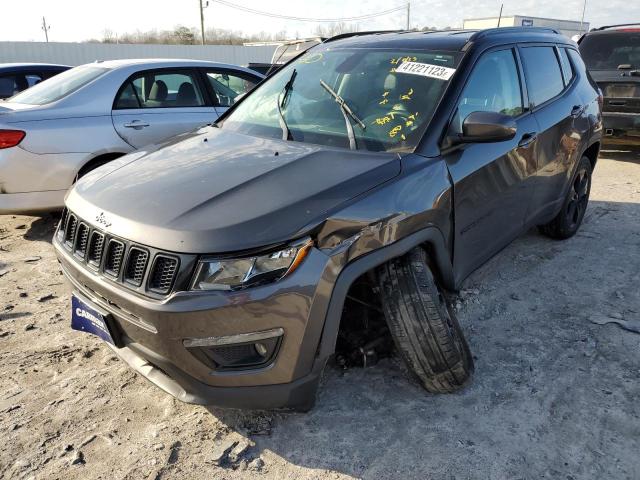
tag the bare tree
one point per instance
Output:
(334, 29)
(184, 35)
(214, 36)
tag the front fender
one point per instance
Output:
(430, 238)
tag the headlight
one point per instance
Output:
(237, 273)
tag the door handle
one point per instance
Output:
(577, 110)
(137, 124)
(527, 139)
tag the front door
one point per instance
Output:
(155, 105)
(492, 181)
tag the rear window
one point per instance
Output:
(544, 77)
(59, 86)
(567, 69)
(608, 51)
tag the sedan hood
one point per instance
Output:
(218, 192)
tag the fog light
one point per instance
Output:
(237, 352)
(261, 349)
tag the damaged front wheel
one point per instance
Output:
(424, 329)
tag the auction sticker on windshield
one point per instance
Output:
(426, 70)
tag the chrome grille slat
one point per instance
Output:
(70, 230)
(81, 240)
(96, 245)
(136, 266)
(163, 273)
(63, 223)
(113, 257)
(143, 269)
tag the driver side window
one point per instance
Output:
(494, 86)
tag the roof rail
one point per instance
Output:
(607, 27)
(498, 30)
(340, 36)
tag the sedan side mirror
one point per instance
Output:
(484, 127)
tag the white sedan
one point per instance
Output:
(68, 125)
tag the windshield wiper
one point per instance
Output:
(286, 133)
(346, 112)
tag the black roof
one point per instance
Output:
(621, 28)
(452, 40)
(24, 67)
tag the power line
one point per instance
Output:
(308, 19)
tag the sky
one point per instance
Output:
(78, 20)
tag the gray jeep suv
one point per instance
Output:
(218, 265)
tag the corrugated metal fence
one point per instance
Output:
(80, 53)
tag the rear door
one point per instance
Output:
(154, 105)
(492, 186)
(227, 86)
(562, 122)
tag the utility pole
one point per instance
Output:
(584, 7)
(500, 16)
(202, 20)
(46, 28)
(408, 15)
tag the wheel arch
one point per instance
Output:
(431, 238)
(97, 161)
(592, 152)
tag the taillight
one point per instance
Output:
(600, 99)
(10, 138)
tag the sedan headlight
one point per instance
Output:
(238, 273)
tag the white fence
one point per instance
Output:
(80, 53)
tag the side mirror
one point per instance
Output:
(484, 127)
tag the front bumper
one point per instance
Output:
(153, 332)
(621, 127)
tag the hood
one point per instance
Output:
(218, 192)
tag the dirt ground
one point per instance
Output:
(554, 327)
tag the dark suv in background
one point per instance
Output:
(375, 170)
(612, 56)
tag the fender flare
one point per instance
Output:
(431, 237)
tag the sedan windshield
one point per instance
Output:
(59, 86)
(372, 99)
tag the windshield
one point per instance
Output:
(59, 86)
(607, 51)
(391, 93)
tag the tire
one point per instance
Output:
(424, 329)
(569, 219)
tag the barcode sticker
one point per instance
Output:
(426, 70)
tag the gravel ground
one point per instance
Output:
(554, 326)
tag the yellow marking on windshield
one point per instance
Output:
(407, 96)
(397, 60)
(395, 130)
(385, 119)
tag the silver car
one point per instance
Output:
(62, 128)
